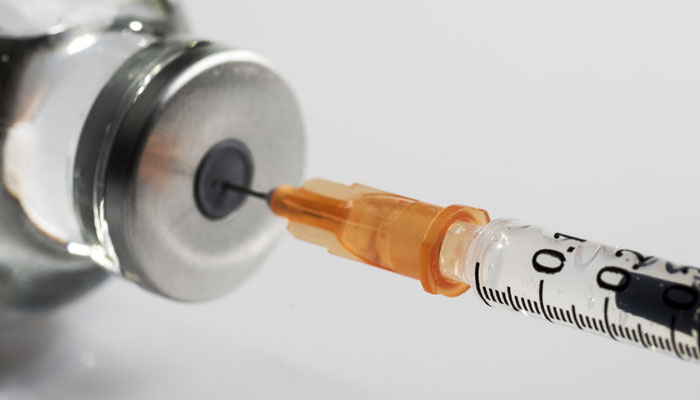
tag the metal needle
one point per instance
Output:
(248, 191)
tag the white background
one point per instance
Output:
(578, 116)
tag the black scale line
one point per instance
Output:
(673, 337)
(505, 299)
(478, 286)
(641, 336)
(573, 311)
(537, 309)
(544, 312)
(605, 313)
(568, 316)
(510, 297)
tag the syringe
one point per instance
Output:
(566, 280)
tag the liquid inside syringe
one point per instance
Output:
(618, 293)
(621, 294)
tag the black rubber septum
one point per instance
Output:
(227, 165)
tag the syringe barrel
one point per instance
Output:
(618, 293)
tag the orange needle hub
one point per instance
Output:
(389, 231)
